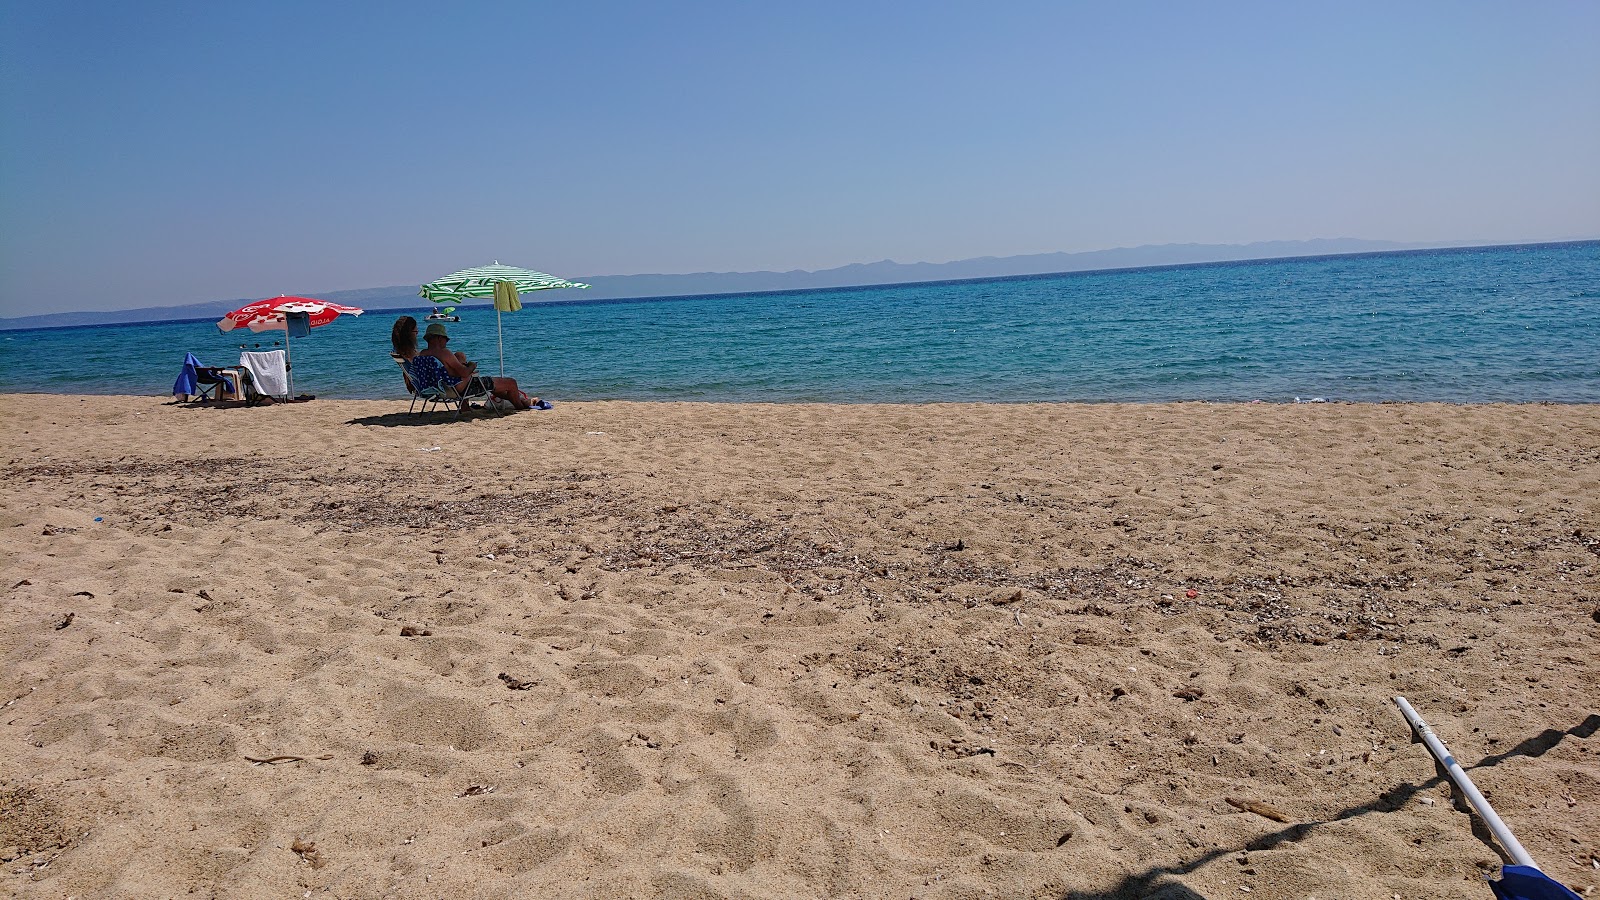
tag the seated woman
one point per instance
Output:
(404, 338)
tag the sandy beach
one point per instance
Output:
(749, 651)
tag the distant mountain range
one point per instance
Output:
(612, 287)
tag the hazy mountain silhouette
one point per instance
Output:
(609, 287)
(890, 272)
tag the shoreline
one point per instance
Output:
(166, 400)
(758, 650)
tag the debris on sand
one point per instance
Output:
(307, 850)
(1257, 807)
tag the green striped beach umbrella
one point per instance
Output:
(479, 283)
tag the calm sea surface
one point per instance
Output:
(1471, 325)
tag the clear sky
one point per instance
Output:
(156, 153)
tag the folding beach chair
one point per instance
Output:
(218, 384)
(405, 375)
(430, 382)
(205, 383)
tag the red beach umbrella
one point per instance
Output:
(273, 315)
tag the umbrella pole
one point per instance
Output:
(288, 359)
(1441, 754)
(500, 332)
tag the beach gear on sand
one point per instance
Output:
(275, 314)
(205, 382)
(269, 371)
(220, 384)
(484, 282)
(188, 382)
(1523, 881)
(433, 384)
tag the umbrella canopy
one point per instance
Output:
(272, 315)
(497, 282)
(478, 283)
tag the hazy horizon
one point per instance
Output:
(173, 155)
(663, 286)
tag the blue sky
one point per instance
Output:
(161, 153)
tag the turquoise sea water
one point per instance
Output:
(1468, 325)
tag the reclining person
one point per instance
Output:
(404, 338)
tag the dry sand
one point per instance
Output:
(694, 650)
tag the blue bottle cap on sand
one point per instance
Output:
(98, 519)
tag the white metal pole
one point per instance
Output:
(1459, 776)
(288, 357)
(500, 332)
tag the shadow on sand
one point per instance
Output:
(386, 420)
(437, 417)
(1143, 885)
(238, 404)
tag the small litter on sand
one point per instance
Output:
(1257, 807)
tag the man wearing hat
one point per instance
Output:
(456, 364)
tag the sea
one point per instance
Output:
(1499, 324)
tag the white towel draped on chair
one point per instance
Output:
(269, 369)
